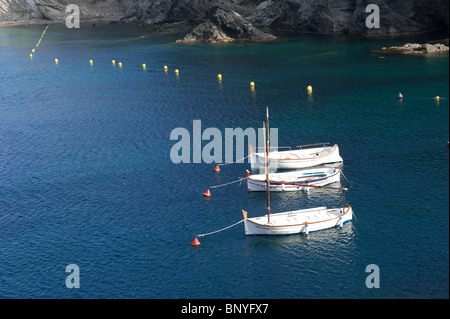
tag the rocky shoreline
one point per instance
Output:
(195, 17)
(85, 19)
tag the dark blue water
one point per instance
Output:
(86, 177)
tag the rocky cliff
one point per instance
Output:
(24, 11)
(315, 16)
(349, 16)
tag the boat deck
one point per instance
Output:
(299, 217)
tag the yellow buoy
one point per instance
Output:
(437, 98)
(144, 66)
(219, 76)
(165, 68)
(31, 55)
(91, 62)
(120, 64)
(176, 71)
(252, 83)
(113, 62)
(309, 88)
(56, 61)
(33, 50)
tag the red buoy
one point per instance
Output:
(400, 95)
(195, 242)
(216, 169)
(207, 193)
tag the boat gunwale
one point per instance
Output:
(332, 150)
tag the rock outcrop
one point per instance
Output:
(418, 48)
(225, 26)
(207, 32)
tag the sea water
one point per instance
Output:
(86, 177)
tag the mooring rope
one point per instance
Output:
(342, 173)
(202, 235)
(216, 186)
(236, 161)
(353, 214)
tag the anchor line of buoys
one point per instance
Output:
(39, 42)
(120, 64)
(436, 98)
(219, 77)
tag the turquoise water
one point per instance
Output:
(86, 177)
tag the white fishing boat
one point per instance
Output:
(306, 156)
(298, 221)
(293, 180)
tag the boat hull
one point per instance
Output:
(283, 182)
(297, 222)
(298, 158)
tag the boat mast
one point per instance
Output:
(266, 164)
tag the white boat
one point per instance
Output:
(306, 156)
(294, 180)
(298, 221)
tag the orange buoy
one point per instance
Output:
(207, 193)
(195, 242)
(400, 95)
(216, 169)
